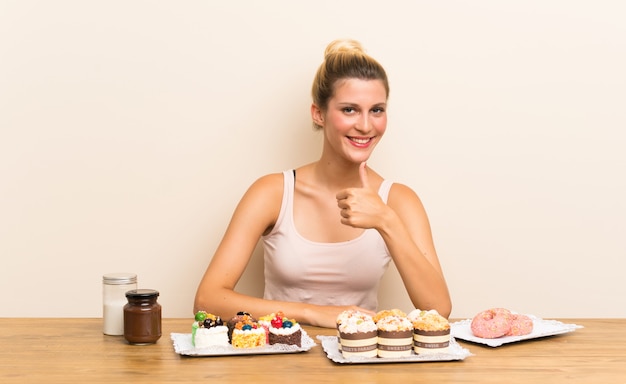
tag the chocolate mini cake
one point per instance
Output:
(284, 331)
(239, 317)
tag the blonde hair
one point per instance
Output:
(344, 59)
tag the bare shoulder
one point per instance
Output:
(267, 186)
(404, 200)
(262, 201)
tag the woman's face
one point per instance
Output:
(355, 118)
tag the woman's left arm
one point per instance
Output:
(405, 228)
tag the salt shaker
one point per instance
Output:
(142, 317)
(114, 288)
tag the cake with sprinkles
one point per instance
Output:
(240, 316)
(208, 330)
(247, 334)
(284, 331)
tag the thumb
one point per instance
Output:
(363, 175)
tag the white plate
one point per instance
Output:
(541, 328)
(331, 347)
(183, 346)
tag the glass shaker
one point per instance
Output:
(114, 288)
(142, 317)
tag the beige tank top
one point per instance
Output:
(300, 270)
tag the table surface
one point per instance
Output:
(68, 350)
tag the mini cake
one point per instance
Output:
(284, 331)
(395, 336)
(358, 335)
(431, 332)
(264, 321)
(248, 334)
(208, 330)
(240, 316)
(343, 316)
(388, 312)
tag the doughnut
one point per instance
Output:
(492, 323)
(520, 325)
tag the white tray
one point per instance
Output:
(541, 328)
(183, 346)
(331, 347)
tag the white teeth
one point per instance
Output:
(359, 141)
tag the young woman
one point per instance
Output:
(330, 228)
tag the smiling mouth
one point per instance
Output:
(360, 140)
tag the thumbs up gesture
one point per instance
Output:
(360, 207)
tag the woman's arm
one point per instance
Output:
(406, 231)
(405, 228)
(255, 214)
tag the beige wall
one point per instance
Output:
(130, 129)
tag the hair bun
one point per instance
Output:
(344, 45)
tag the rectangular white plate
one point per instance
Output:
(541, 328)
(183, 346)
(331, 347)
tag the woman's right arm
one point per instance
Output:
(255, 214)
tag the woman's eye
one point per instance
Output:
(348, 110)
(378, 110)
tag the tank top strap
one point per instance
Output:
(287, 203)
(384, 189)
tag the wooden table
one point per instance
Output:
(75, 351)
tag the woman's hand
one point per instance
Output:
(361, 207)
(326, 316)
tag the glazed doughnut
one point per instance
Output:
(492, 323)
(520, 325)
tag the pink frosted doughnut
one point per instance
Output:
(520, 325)
(492, 323)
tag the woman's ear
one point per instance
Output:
(317, 115)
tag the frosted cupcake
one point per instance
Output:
(343, 316)
(395, 336)
(431, 332)
(358, 335)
